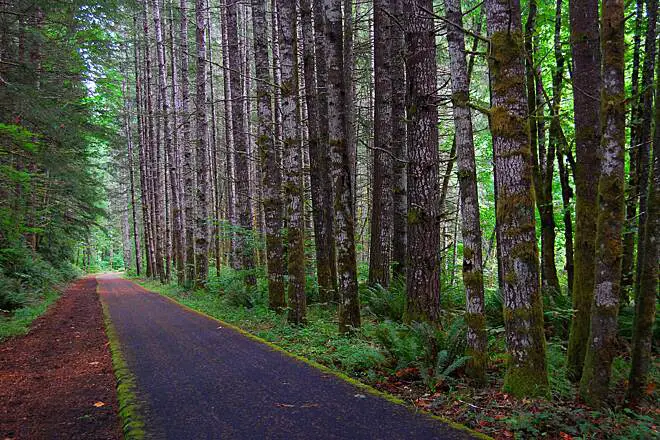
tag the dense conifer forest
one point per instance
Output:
(456, 202)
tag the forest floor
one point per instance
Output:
(196, 377)
(57, 381)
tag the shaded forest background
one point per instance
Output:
(454, 201)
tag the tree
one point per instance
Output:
(523, 308)
(244, 247)
(382, 193)
(270, 167)
(201, 154)
(477, 343)
(586, 107)
(293, 178)
(594, 384)
(643, 156)
(423, 264)
(645, 302)
(344, 219)
(399, 144)
(317, 126)
(169, 144)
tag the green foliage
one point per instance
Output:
(19, 322)
(385, 303)
(26, 275)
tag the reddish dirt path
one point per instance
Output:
(51, 378)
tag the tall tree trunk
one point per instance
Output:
(321, 182)
(270, 167)
(213, 148)
(244, 248)
(177, 181)
(142, 159)
(201, 154)
(399, 144)
(542, 158)
(131, 181)
(349, 305)
(586, 105)
(601, 348)
(645, 133)
(157, 202)
(188, 158)
(177, 220)
(477, 343)
(523, 307)
(293, 179)
(381, 194)
(632, 190)
(423, 266)
(566, 196)
(229, 141)
(645, 302)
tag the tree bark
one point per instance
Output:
(399, 144)
(201, 154)
(601, 348)
(586, 105)
(477, 343)
(292, 155)
(632, 190)
(321, 183)
(244, 247)
(645, 133)
(423, 265)
(177, 220)
(527, 373)
(344, 218)
(153, 148)
(131, 176)
(645, 302)
(270, 167)
(381, 194)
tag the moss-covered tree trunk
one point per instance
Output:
(381, 195)
(292, 155)
(269, 160)
(399, 145)
(523, 308)
(423, 265)
(586, 107)
(477, 343)
(344, 218)
(645, 303)
(594, 385)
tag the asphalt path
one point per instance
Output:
(197, 379)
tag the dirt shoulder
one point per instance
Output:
(57, 381)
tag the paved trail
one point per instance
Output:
(199, 380)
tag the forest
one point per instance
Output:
(455, 202)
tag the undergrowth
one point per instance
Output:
(28, 286)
